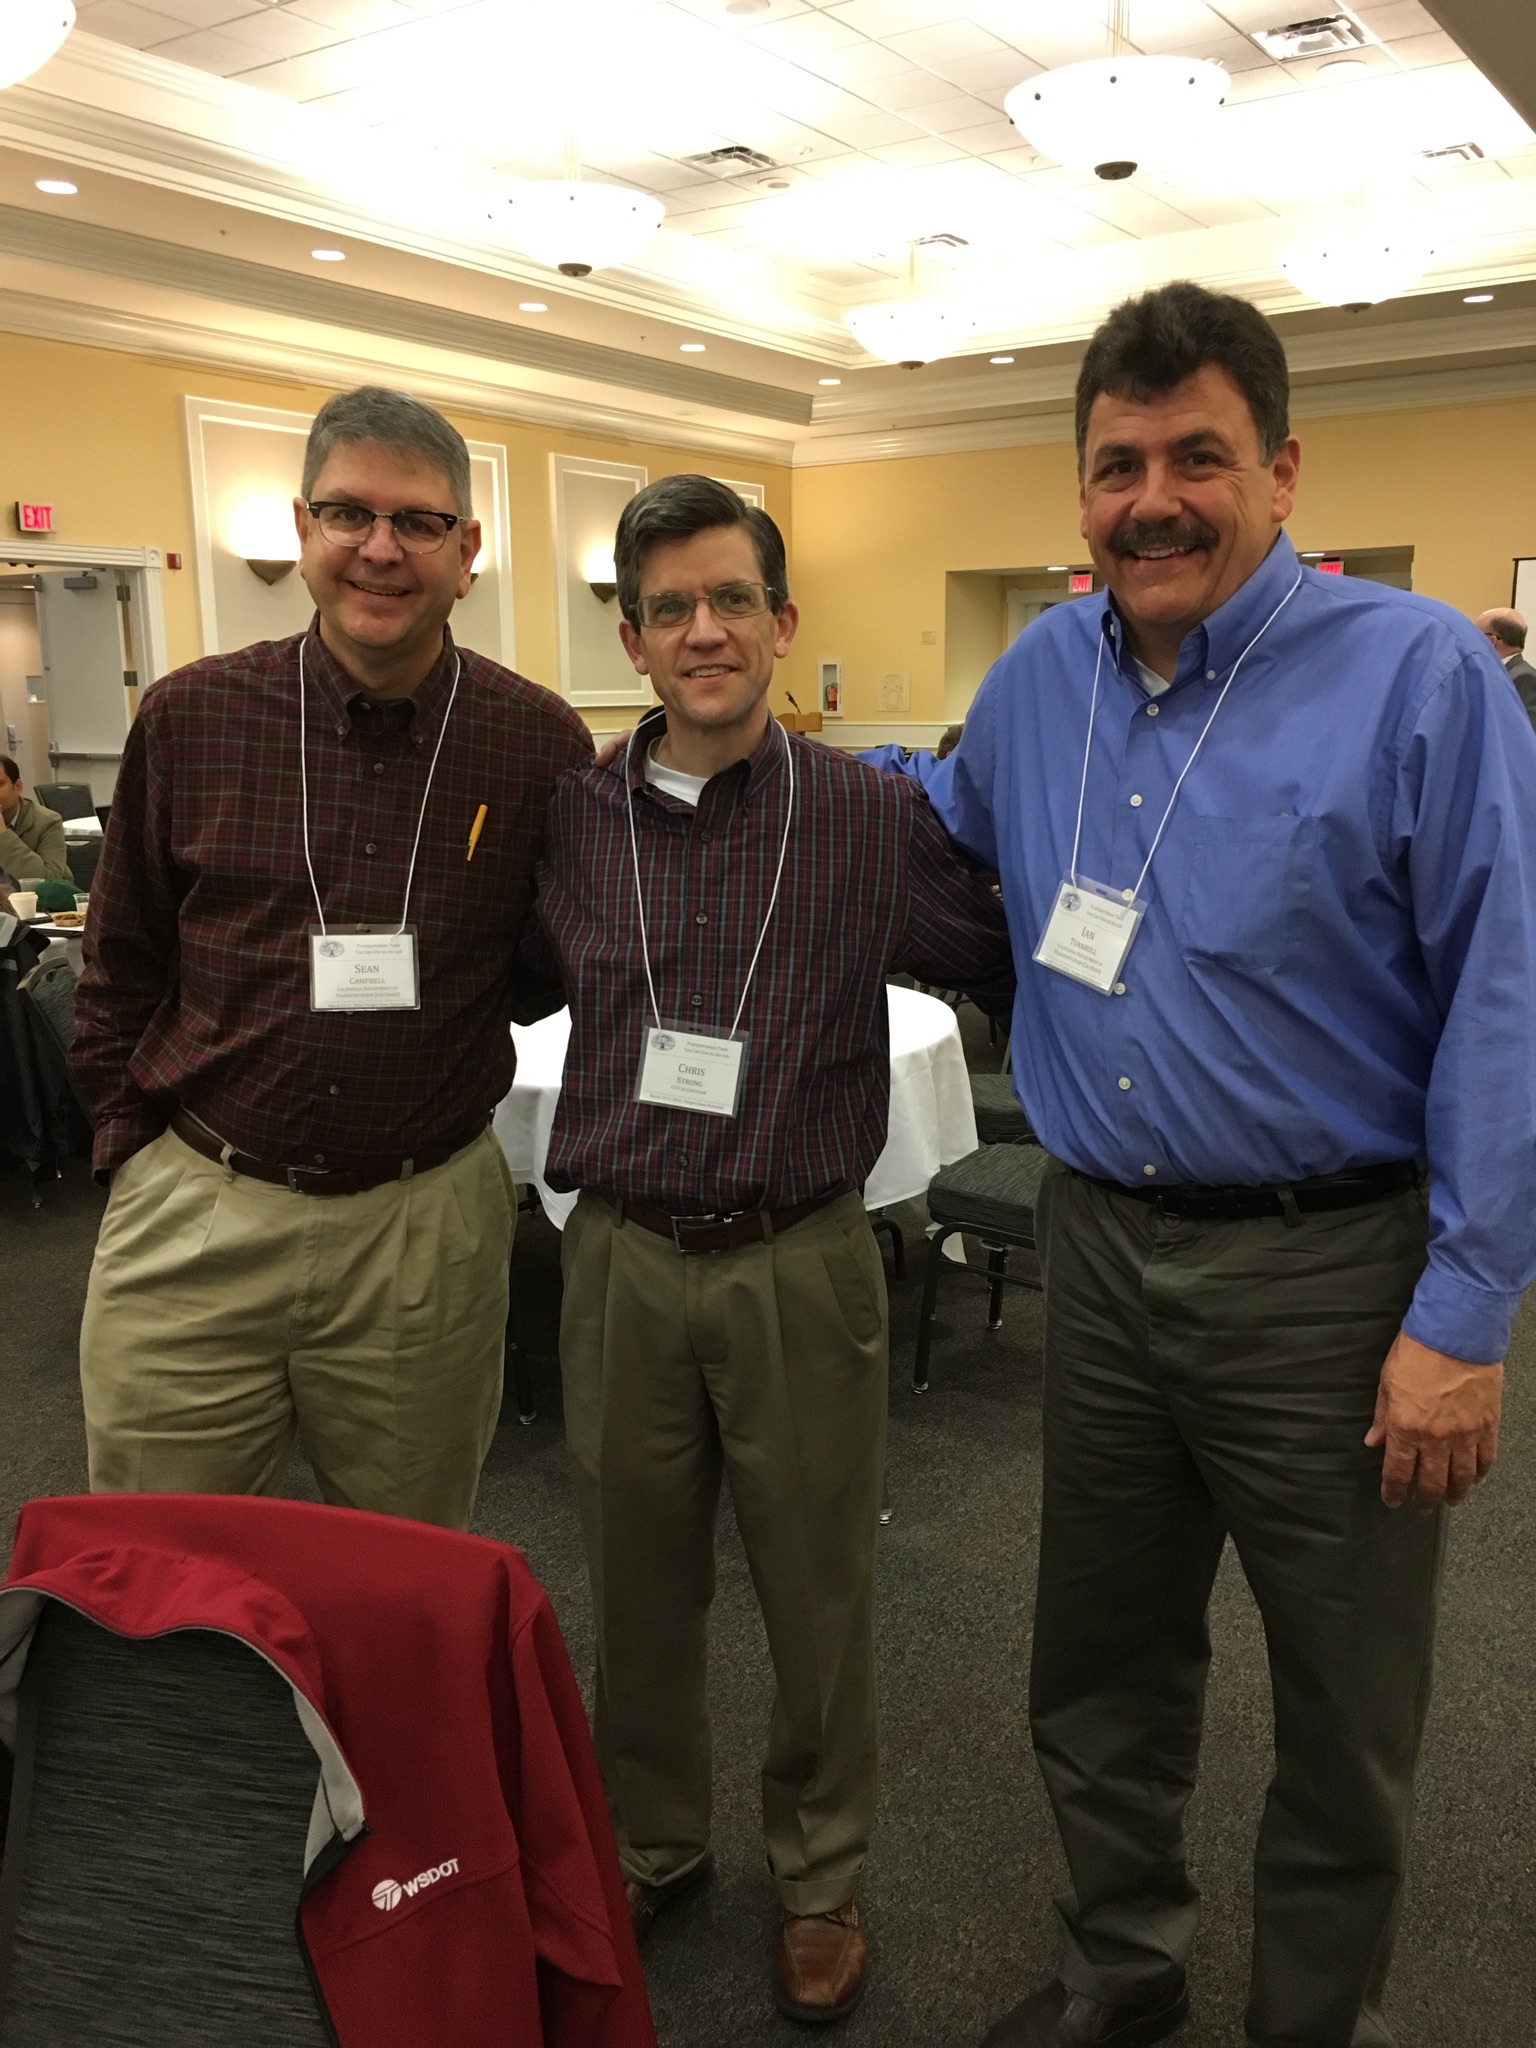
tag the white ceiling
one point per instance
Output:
(217, 141)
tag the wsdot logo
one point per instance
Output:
(387, 1893)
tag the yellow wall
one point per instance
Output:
(101, 436)
(873, 540)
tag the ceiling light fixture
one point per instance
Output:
(999, 359)
(1359, 264)
(329, 255)
(57, 188)
(691, 348)
(829, 380)
(1057, 569)
(532, 306)
(575, 227)
(911, 331)
(1118, 114)
(1478, 299)
(33, 31)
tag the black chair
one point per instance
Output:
(989, 1194)
(82, 855)
(154, 1854)
(880, 1221)
(69, 799)
(48, 1001)
(999, 1119)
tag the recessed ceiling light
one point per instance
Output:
(329, 255)
(532, 306)
(1057, 569)
(691, 348)
(999, 359)
(61, 188)
(829, 380)
(1478, 299)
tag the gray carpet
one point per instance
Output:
(959, 1886)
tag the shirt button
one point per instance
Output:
(705, 837)
(695, 1000)
(334, 1089)
(1151, 711)
(701, 917)
(370, 847)
(1135, 803)
(420, 739)
(341, 732)
(319, 1159)
(378, 767)
(1149, 1169)
(1210, 675)
(1124, 1081)
(1119, 988)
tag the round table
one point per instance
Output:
(931, 1119)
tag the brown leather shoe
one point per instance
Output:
(822, 1963)
(645, 1901)
(1059, 2018)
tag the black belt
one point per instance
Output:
(320, 1180)
(1351, 1189)
(715, 1233)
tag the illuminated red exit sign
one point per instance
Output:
(1332, 567)
(34, 518)
(1080, 582)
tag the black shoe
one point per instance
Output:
(1059, 2018)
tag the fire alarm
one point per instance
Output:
(173, 561)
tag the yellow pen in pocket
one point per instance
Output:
(475, 830)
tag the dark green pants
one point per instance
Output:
(1206, 1380)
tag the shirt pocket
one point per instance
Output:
(1249, 888)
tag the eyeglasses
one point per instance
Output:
(348, 526)
(726, 601)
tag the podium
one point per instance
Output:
(799, 721)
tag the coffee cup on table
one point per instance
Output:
(24, 902)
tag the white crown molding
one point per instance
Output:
(25, 551)
(1478, 385)
(290, 362)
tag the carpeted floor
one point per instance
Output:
(958, 1890)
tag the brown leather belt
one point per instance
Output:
(1350, 1189)
(318, 1180)
(715, 1233)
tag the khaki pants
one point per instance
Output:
(226, 1315)
(1201, 1380)
(768, 1365)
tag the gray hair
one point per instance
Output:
(396, 421)
(676, 508)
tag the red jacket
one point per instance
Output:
(461, 1886)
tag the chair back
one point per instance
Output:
(83, 856)
(154, 1856)
(69, 799)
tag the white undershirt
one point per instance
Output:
(689, 788)
(1151, 681)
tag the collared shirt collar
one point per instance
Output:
(1216, 643)
(762, 762)
(341, 691)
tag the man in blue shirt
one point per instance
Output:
(1267, 842)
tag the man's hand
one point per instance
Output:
(1439, 1419)
(610, 750)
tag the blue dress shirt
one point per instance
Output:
(1338, 962)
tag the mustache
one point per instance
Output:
(1134, 535)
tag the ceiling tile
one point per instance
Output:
(806, 36)
(891, 17)
(902, 89)
(211, 49)
(1437, 48)
(940, 117)
(274, 32)
(1396, 18)
(986, 140)
(856, 64)
(124, 21)
(192, 13)
(946, 43)
(999, 68)
(868, 131)
(317, 76)
(911, 155)
(352, 17)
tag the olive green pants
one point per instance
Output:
(225, 1316)
(766, 1365)
(1205, 1380)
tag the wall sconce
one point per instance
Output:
(261, 533)
(597, 567)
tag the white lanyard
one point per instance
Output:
(1131, 895)
(410, 875)
(634, 854)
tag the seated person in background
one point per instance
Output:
(31, 837)
(725, 1311)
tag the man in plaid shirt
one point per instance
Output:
(301, 964)
(726, 903)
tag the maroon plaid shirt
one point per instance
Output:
(871, 884)
(196, 985)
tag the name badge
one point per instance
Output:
(1089, 932)
(363, 970)
(682, 1069)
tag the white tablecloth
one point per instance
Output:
(931, 1121)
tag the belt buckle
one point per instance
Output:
(680, 1223)
(293, 1172)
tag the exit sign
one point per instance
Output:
(1080, 582)
(1332, 567)
(34, 518)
